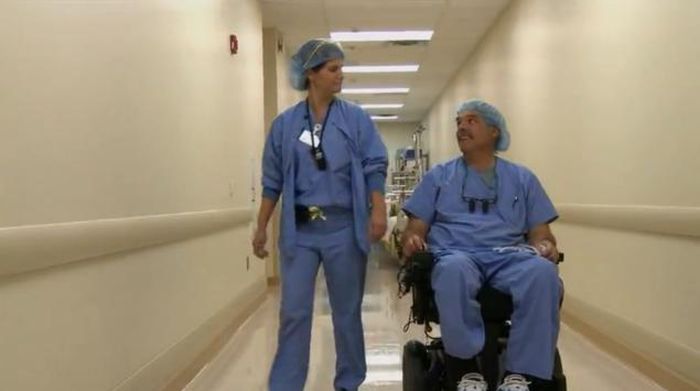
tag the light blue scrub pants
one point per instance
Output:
(534, 284)
(331, 244)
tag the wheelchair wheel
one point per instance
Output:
(415, 366)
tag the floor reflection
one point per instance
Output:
(245, 361)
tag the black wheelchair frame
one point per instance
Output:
(423, 365)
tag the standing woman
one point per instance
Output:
(325, 158)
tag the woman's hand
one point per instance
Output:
(259, 241)
(267, 206)
(377, 224)
(377, 218)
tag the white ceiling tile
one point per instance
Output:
(458, 25)
(383, 16)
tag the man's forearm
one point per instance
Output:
(541, 238)
(541, 233)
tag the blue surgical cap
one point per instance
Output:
(492, 117)
(311, 54)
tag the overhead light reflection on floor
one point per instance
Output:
(383, 359)
(383, 377)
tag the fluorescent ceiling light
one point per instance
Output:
(393, 90)
(380, 68)
(377, 36)
(382, 105)
(384, 117)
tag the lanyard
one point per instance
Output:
(317, 151)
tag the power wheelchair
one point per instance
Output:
(423, 365)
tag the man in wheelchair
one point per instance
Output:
(486, 222)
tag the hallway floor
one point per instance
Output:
(244, 363)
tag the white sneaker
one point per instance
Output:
(472, 382)
(514, 383)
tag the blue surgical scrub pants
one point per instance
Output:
(331, 244)
(534, 284)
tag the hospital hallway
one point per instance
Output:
(162, 162)
(244, 361)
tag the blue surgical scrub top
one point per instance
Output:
(329, 187)
(350, 131)
(517, 203)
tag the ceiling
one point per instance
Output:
(458, 25)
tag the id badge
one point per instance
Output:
(305, 138)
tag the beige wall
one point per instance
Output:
(124, 119)
(601, 98)
(396, 135)
(279, 95)
(286, 95)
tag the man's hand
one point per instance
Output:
(411, 244)
(413, 237)
(547, 250)
(259, 241)
(542, 239)
(377, 224)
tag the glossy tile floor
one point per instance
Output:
(244, 363)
